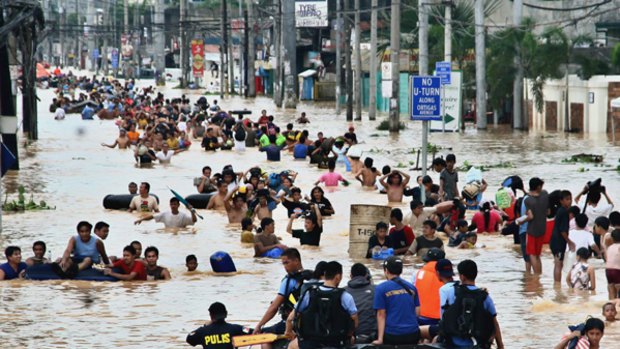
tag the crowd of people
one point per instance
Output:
(314, 310)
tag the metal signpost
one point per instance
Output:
(443, 70)
(425, 107)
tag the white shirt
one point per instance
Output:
(180, 220)
(144, 205)
(601, 209)
(60, 114)
(164, 158)
(182, 126)
(416, 222)
(581, 238)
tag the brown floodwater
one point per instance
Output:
(69, 169)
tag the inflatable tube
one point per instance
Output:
(221, 262)
(45, 272)
(199, 201)
(274, 253)
(120, 201)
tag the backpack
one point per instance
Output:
(274, 180)
(293, 296)
(467, 317)
(240, 133)
(503, 198)
(324, 320)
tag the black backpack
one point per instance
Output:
(299, 277)
(467, 317)
(324, 320)
(240, 133)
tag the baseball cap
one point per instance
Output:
(434, 254)
(444, 268)
(218, 311)
(394, 265)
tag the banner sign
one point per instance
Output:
(198, 52)
(311, 13)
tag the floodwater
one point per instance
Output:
(69, 169)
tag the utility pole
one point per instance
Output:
(104, 48)
(159, 42)
(63, 27)
(251, 43)
(277, 86)
(230, 59)
(347, 58)
(338, 31)
(518, 121)
(358, 64)
(481, 85)
(289, 39)
(372, 102)
(447, 46)
(394, 120)
(182, 43)
(241, 50)
(223, 52)
(423, 71)
(136, 39)
(91, 19)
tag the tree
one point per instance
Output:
(542, 58)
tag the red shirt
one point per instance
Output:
(138, 268)
(406, 231)
(494, 221)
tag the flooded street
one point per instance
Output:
(69, 169)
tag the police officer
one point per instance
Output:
(398, 305)
(325, 316)
(218, 333)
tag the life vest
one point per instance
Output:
(293, 296)
(428, 286)
(324, 320)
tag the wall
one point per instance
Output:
(595, 114)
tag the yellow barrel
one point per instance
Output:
(364, 219)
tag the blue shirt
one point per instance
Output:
(399, 306)
(10, 273)
(285, 291)
(347, 302)
(300, 151)
(447, 296)
(523, 227)
(87, 112)
(273, 152)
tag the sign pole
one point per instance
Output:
(443, 109)
(425, 106)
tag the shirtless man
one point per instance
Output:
(236, 208)
(367, 175)
(395, 183)
(217, 201)
(122, 141)
(262, 210)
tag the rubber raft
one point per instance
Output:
(199, 201)
(45, 272)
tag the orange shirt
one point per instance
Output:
(428, 286)
(133, 136)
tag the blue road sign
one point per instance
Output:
(443, 70)
(96, 53)
(426, 98)
(114, 58)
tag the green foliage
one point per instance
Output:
(584, 158)
(22, 205)
(615, 56)
(591, 66)
(385, 125)
(541, 56)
